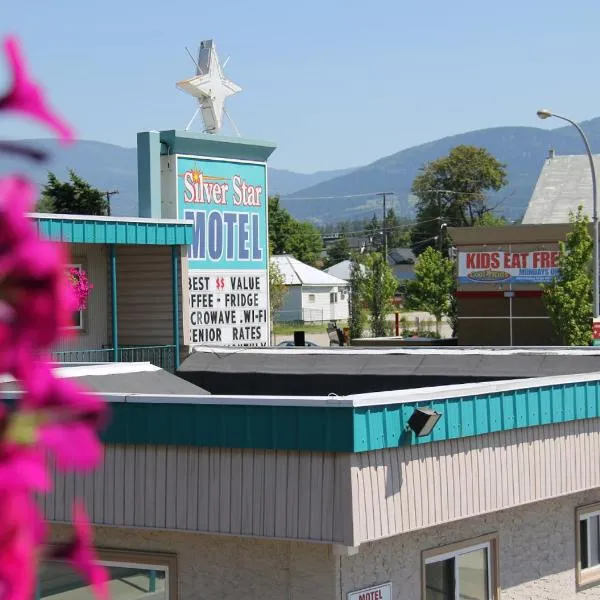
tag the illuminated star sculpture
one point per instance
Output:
(210, 87)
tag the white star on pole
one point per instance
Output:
(210, 87)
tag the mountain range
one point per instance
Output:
(333, 196)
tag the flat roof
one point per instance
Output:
(119, 379)
(345, 371)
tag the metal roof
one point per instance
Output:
(295, 272)
(88, 229)
(565, 182)
(342, 270)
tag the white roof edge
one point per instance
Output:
(141, 220)
(556, 351)
(407, 396)
(446, 392)
(97, 369)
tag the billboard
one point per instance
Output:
(227, 260)
(539, 266)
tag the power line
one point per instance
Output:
(290, 197)
(369, 229)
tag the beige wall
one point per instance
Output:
(536, 553)
(144, 296)
(293, 495)
(346, 499)
(413, 487)
(536, 558)
(231, 568)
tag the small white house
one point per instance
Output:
(313, 295)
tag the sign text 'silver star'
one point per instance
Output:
(210, 87)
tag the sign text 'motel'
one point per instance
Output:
(228, 283)
(378, 592)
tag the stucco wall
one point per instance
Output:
(230, 568)
(536, 546)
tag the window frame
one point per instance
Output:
(311, 298)
(81, 326)
(590, 576)
(441, 553)
(113, 557)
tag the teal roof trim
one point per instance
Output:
(114, 231)
(346, 428)
(217, 425)
(215, 146)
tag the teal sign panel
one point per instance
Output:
(227, 202)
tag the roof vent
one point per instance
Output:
(551, 153)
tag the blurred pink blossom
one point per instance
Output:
(52, 417)
(26, 97)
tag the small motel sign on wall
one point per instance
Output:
(378, 592)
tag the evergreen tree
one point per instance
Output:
(73, 197)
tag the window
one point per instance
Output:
(311, 297)
(78, 316)
(333, 297)
(132, 576)
(461, 571)
(588, 544)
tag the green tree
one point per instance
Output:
(358, 317)
(568, 298)
(453, 190)
(277, 290)
(289, 236)
(434, 286)
(73, 197)
(380, 287)
(338, 251)
(397, 230)
(280, 225)
(304, 242)
(489, 219)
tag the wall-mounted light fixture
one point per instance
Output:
(423, 420)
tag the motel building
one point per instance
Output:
(475, 490)
(138, 306)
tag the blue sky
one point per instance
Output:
(335, 84)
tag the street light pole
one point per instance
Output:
(544, 114)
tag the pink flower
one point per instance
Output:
(23, 468)
(81, 286)
(19, 535)
(42, 299)
(26, 97)
(80, 554)
(16, 199)
(70, 418)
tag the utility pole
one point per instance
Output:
(384, 195)
(108, 195)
